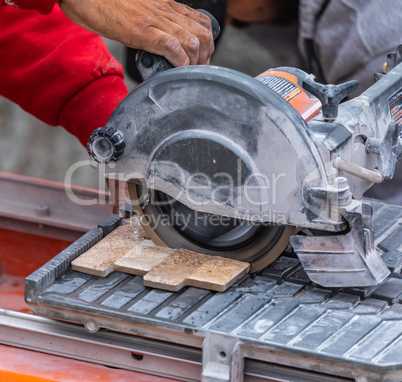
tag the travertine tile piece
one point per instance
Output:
(99, 260)
(218, 273)
(162, 267)
(173, 271)
(142, 258)
(193, 269)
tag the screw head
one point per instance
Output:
(91, 326)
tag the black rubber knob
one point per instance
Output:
(106, 144)
(330, 95)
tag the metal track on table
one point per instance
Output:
(277, 323)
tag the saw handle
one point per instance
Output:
(149, 64)
(330, 95)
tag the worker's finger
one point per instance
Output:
(193, 14)
(159, 42)
(202, 31)
(189, 42)
(206, 51)
(205, 47)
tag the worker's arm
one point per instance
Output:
(57, 71)
(164, 27)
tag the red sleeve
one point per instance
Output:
(57, 71)
(42, 6)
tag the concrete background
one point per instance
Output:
(29, 147)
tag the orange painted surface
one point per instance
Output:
(307, 107)
(20, 255)
(19, 365)
(23, 253)
(12, 294)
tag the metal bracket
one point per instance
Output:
(331, 135)
(389, 149)
(347, 259)
(222, 359)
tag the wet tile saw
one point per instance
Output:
(224, 164)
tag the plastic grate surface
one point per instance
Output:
(278, 307)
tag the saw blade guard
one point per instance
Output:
(219, 142)
(215, 142)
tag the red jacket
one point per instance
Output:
(57, 71)
(43, 6)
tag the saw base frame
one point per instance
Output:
(273, 324)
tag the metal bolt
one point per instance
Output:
(91, 326)
(340, 182)
(42, 210)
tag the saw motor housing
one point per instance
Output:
(274, 151)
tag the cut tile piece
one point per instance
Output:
(142, 258)
(185, 267)
(218, 273)
(162, 267)
(99, 260)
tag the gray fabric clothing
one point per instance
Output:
(352, 37)
(308, 12)
(351, 40)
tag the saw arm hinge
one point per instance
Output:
(346, 259)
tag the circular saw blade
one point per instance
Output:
(170, 223)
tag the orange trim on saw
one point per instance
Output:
(307, 107)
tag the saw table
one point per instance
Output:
(274, 325)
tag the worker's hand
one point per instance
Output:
(179, 33)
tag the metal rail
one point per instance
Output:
(104, 347)
(48, 208)
(132, 352)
